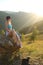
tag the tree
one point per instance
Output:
(34, 34)
(2, 32)
(23, 37)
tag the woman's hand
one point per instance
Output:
(8, 29)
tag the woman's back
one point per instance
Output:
(9, 26)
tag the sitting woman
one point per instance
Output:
(9, 30)
(8, 25)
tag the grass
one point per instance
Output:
(34, 49)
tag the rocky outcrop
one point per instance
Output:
(8, 50)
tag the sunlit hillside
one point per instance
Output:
(32, 49)
(19, 19)
(29, 29)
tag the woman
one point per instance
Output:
(9, 30)
(8, 25)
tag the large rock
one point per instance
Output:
(8, 50)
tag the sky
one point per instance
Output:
(31, 6)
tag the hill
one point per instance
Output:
(24, 22)
(30, 28)
(19, 19)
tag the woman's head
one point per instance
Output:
(8, 19)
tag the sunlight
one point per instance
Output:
(31, 6)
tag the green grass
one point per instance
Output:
(34, 49)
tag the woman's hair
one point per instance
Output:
(8, 17)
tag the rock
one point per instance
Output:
(7, 49)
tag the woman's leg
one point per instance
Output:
(7, 33)
(14, 36)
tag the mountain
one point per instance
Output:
(19, 19)
(29, 29)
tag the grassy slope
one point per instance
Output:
(34, 49)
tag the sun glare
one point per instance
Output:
(31, 6)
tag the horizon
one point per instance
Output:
(28, 6)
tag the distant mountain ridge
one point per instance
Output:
(19, 19)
